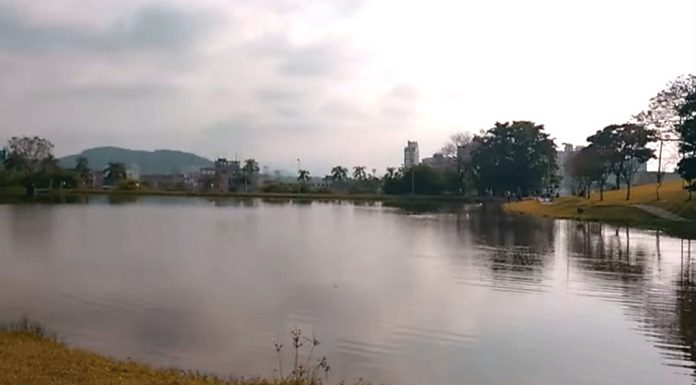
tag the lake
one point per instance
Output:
(455, 295)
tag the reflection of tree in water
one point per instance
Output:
(516, 259)
(411, 206)
(234, 202)
(686, 313)
(517, 248)
(121, 199)
(664, 309)
(606, 253)
(276, 201)
(498, 230)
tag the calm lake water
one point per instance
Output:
(467, 295)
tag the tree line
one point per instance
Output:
(29, 163)
(617, 151)
(517, 158)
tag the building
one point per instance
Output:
(440, 162)
(133, 172)
(568, 183)
(227, 173)
(204, 179)
(411, 157)
(164, 181)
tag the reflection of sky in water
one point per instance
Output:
(471, 296)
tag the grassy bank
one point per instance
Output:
(28, 356)
(614, 208)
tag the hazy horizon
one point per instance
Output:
(342, 83)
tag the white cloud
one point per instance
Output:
(331, 82)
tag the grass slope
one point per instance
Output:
(29, 357)
(616, 209)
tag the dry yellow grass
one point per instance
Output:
(27, 358)
(616, 209)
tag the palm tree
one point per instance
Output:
(339, 173)
(114, 172)
(302, 176)
(327, 180)
(82, 168)
(391, 173)
(249, 171)
(359, 173)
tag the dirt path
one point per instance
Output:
(661, 213)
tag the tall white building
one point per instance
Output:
(411, 154)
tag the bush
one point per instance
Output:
(363, 187)
(128, 185)
(13, 190)
(278, 188)
(323, 190)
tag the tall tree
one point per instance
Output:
(249, 172)
(339, 173)
(419, 179)
(633, 151)
(663, 111)
(114, 173)
(391, 173)
(663, 116)
(359, 173)
(303, 176)
(590, 166)
(687, 134)
(451, 148)
(517, 157)
(82, 169)
(606, 143)
(29, 154)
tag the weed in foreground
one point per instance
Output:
(307, 372)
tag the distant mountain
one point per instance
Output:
(148, 162)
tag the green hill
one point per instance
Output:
(148, 162)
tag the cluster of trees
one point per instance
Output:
(686, 129)
(30, 164)
(421, 179)
(617, 151)
(511, 158)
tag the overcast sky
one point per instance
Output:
(331, 82)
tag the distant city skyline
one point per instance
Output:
(345, 82)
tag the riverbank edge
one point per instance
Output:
(614, 214)
(32, 357)
(239, 195)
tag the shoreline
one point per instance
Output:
(30, 356)
(614, 209)
(250, 195)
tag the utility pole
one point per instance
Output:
(299, 185)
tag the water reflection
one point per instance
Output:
(451, 294)
(662, 302)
